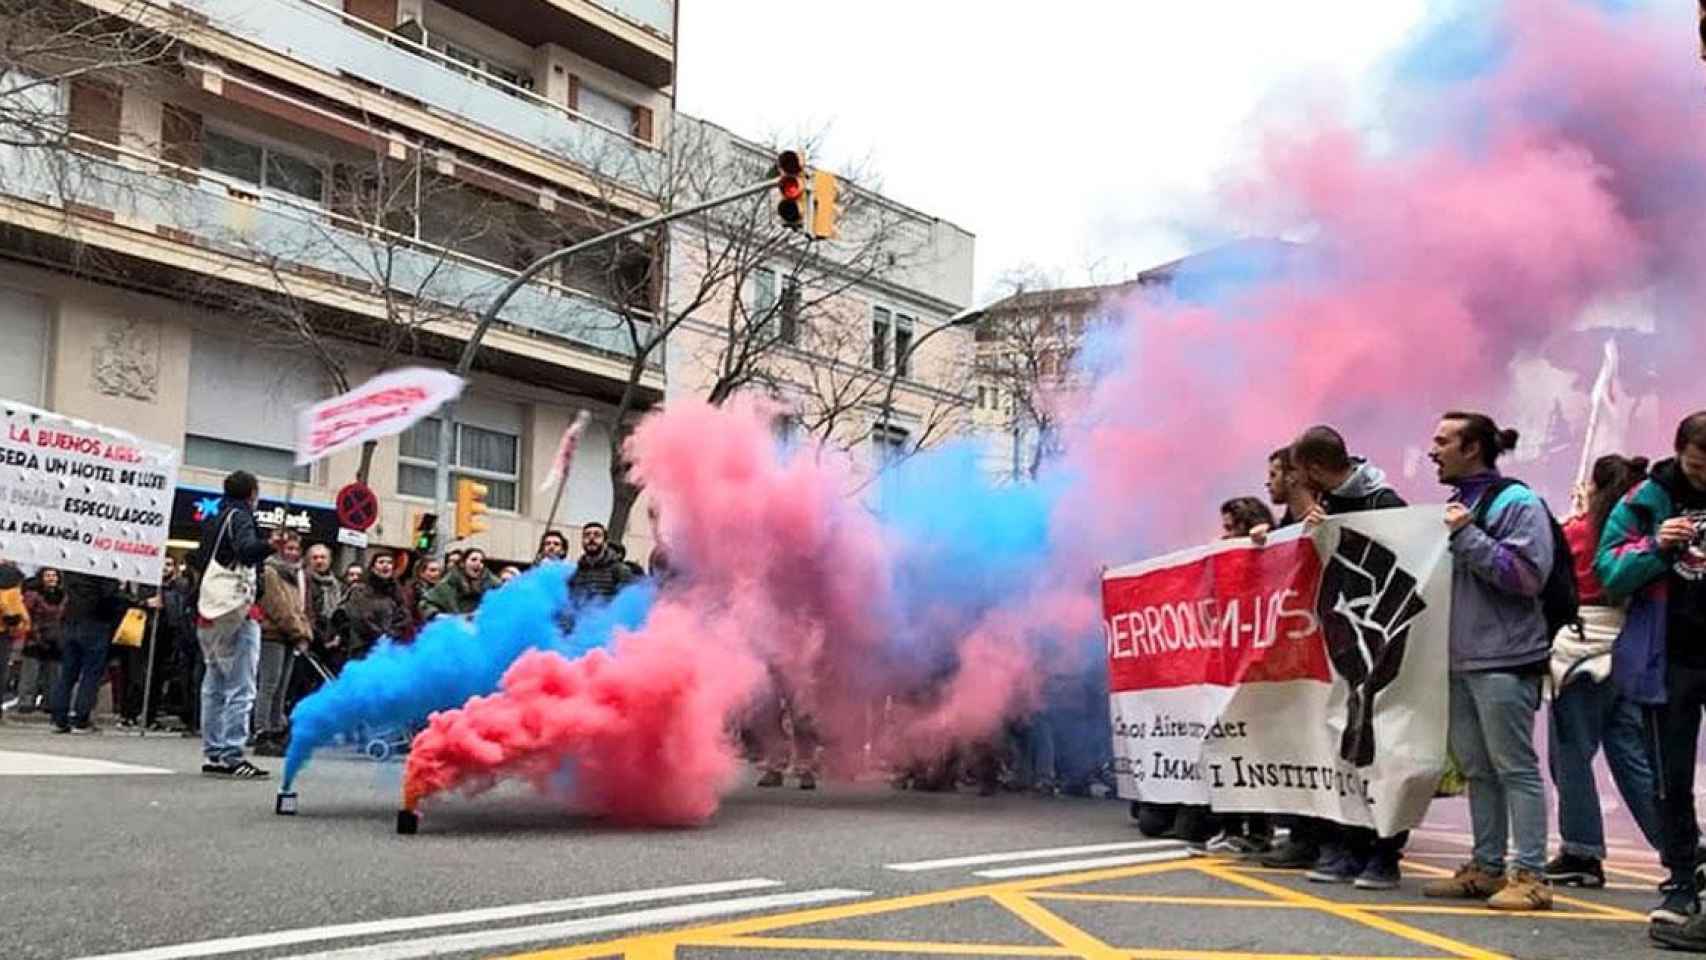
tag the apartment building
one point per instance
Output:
(278, 195)
(842, 335)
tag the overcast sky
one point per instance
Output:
(1070, 134)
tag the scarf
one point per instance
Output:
(327, 593)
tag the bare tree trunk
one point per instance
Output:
(624, 493)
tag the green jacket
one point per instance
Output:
(1631, 566)
(455, 596)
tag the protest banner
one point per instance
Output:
(83, 497)
(389, 403)
(1308, 676)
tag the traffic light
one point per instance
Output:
(824, 191)
(470, 508)
(791, 186)
(426, 532)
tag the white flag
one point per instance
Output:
(565, 457)
(1605, 426)
(389, 403)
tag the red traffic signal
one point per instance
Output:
(791, 185)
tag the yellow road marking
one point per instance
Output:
(880, 946)
(1073, 939)
(1605, 915)
(1354, 913)
(1603, 908)
(1634, 874)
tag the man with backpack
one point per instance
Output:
(1504, 543)
(1653, 551)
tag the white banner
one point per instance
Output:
(1308, 676)
(79, 496)
(389, 403)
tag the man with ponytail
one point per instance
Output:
(1653, 552)
(1502, 544)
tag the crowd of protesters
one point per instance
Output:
(1605, 614)
(1625, 670)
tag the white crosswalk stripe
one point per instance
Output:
(981, 859)
(497, 933)
(18, 763)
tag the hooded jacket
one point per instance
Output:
(1365, 489)
(373, 609)
(453, 595)
(1499, 571)
(1631, 564)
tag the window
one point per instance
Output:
(888, 444)
(881, 321)
(982, 397)
(484, 69)
(263, 166)
(903, 344)
(23, 329)
(791, 311)
(228, 455)
(606, 109)
(763, 298)
(492, 457)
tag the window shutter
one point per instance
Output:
(95, 111)
(574, 92)
(180, 133)
(643, 124)
(380, 13)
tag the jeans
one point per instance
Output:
(1679, 734)
(1492, 736)
(35, 680)
(228, 693)
(1584, 716)
(276, 662)
(81, 666)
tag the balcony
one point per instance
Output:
(631, 37)
(342, 45)
(307, 241)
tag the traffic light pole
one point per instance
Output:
(447, 414)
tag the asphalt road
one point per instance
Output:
(168, 865)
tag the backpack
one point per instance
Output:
(1560, 600)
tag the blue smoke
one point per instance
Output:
(454, 659)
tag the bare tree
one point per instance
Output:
(1027, 344)
(426, 246)
(46, 46)
(774, 299)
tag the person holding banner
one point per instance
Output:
(1653, 551)
(1502, 548)
(1338, 483)
(93, 608)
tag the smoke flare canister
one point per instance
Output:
(408, 822)
(285, 805)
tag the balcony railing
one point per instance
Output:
(305, 240)
(658, 16)
(340, 44)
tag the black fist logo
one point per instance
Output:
(1366, 604)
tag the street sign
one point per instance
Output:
(358, 508)
(352, 538)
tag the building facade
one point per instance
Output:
(842, 335)
(285, 196)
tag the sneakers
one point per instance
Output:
(1679, 906)
(241, 770)
(61, 728)
(1526, 890)
(771, 778)
(1689, 935)
(1292, 855)
(808, 781)
(1381, 873)
(1568, 870)
(1470, 882)
(85, 728)
(1337, 865)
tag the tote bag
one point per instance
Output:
(131, 628)
(225, 590)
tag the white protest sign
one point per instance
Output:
(79, 496)
(389, 403)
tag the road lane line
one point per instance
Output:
(18, 763)
(1050, 925)
(983, 858)
(910, 947)
(1067, 866)
(344, 931)
(483, 940)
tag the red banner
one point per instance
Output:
(1245, 615)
